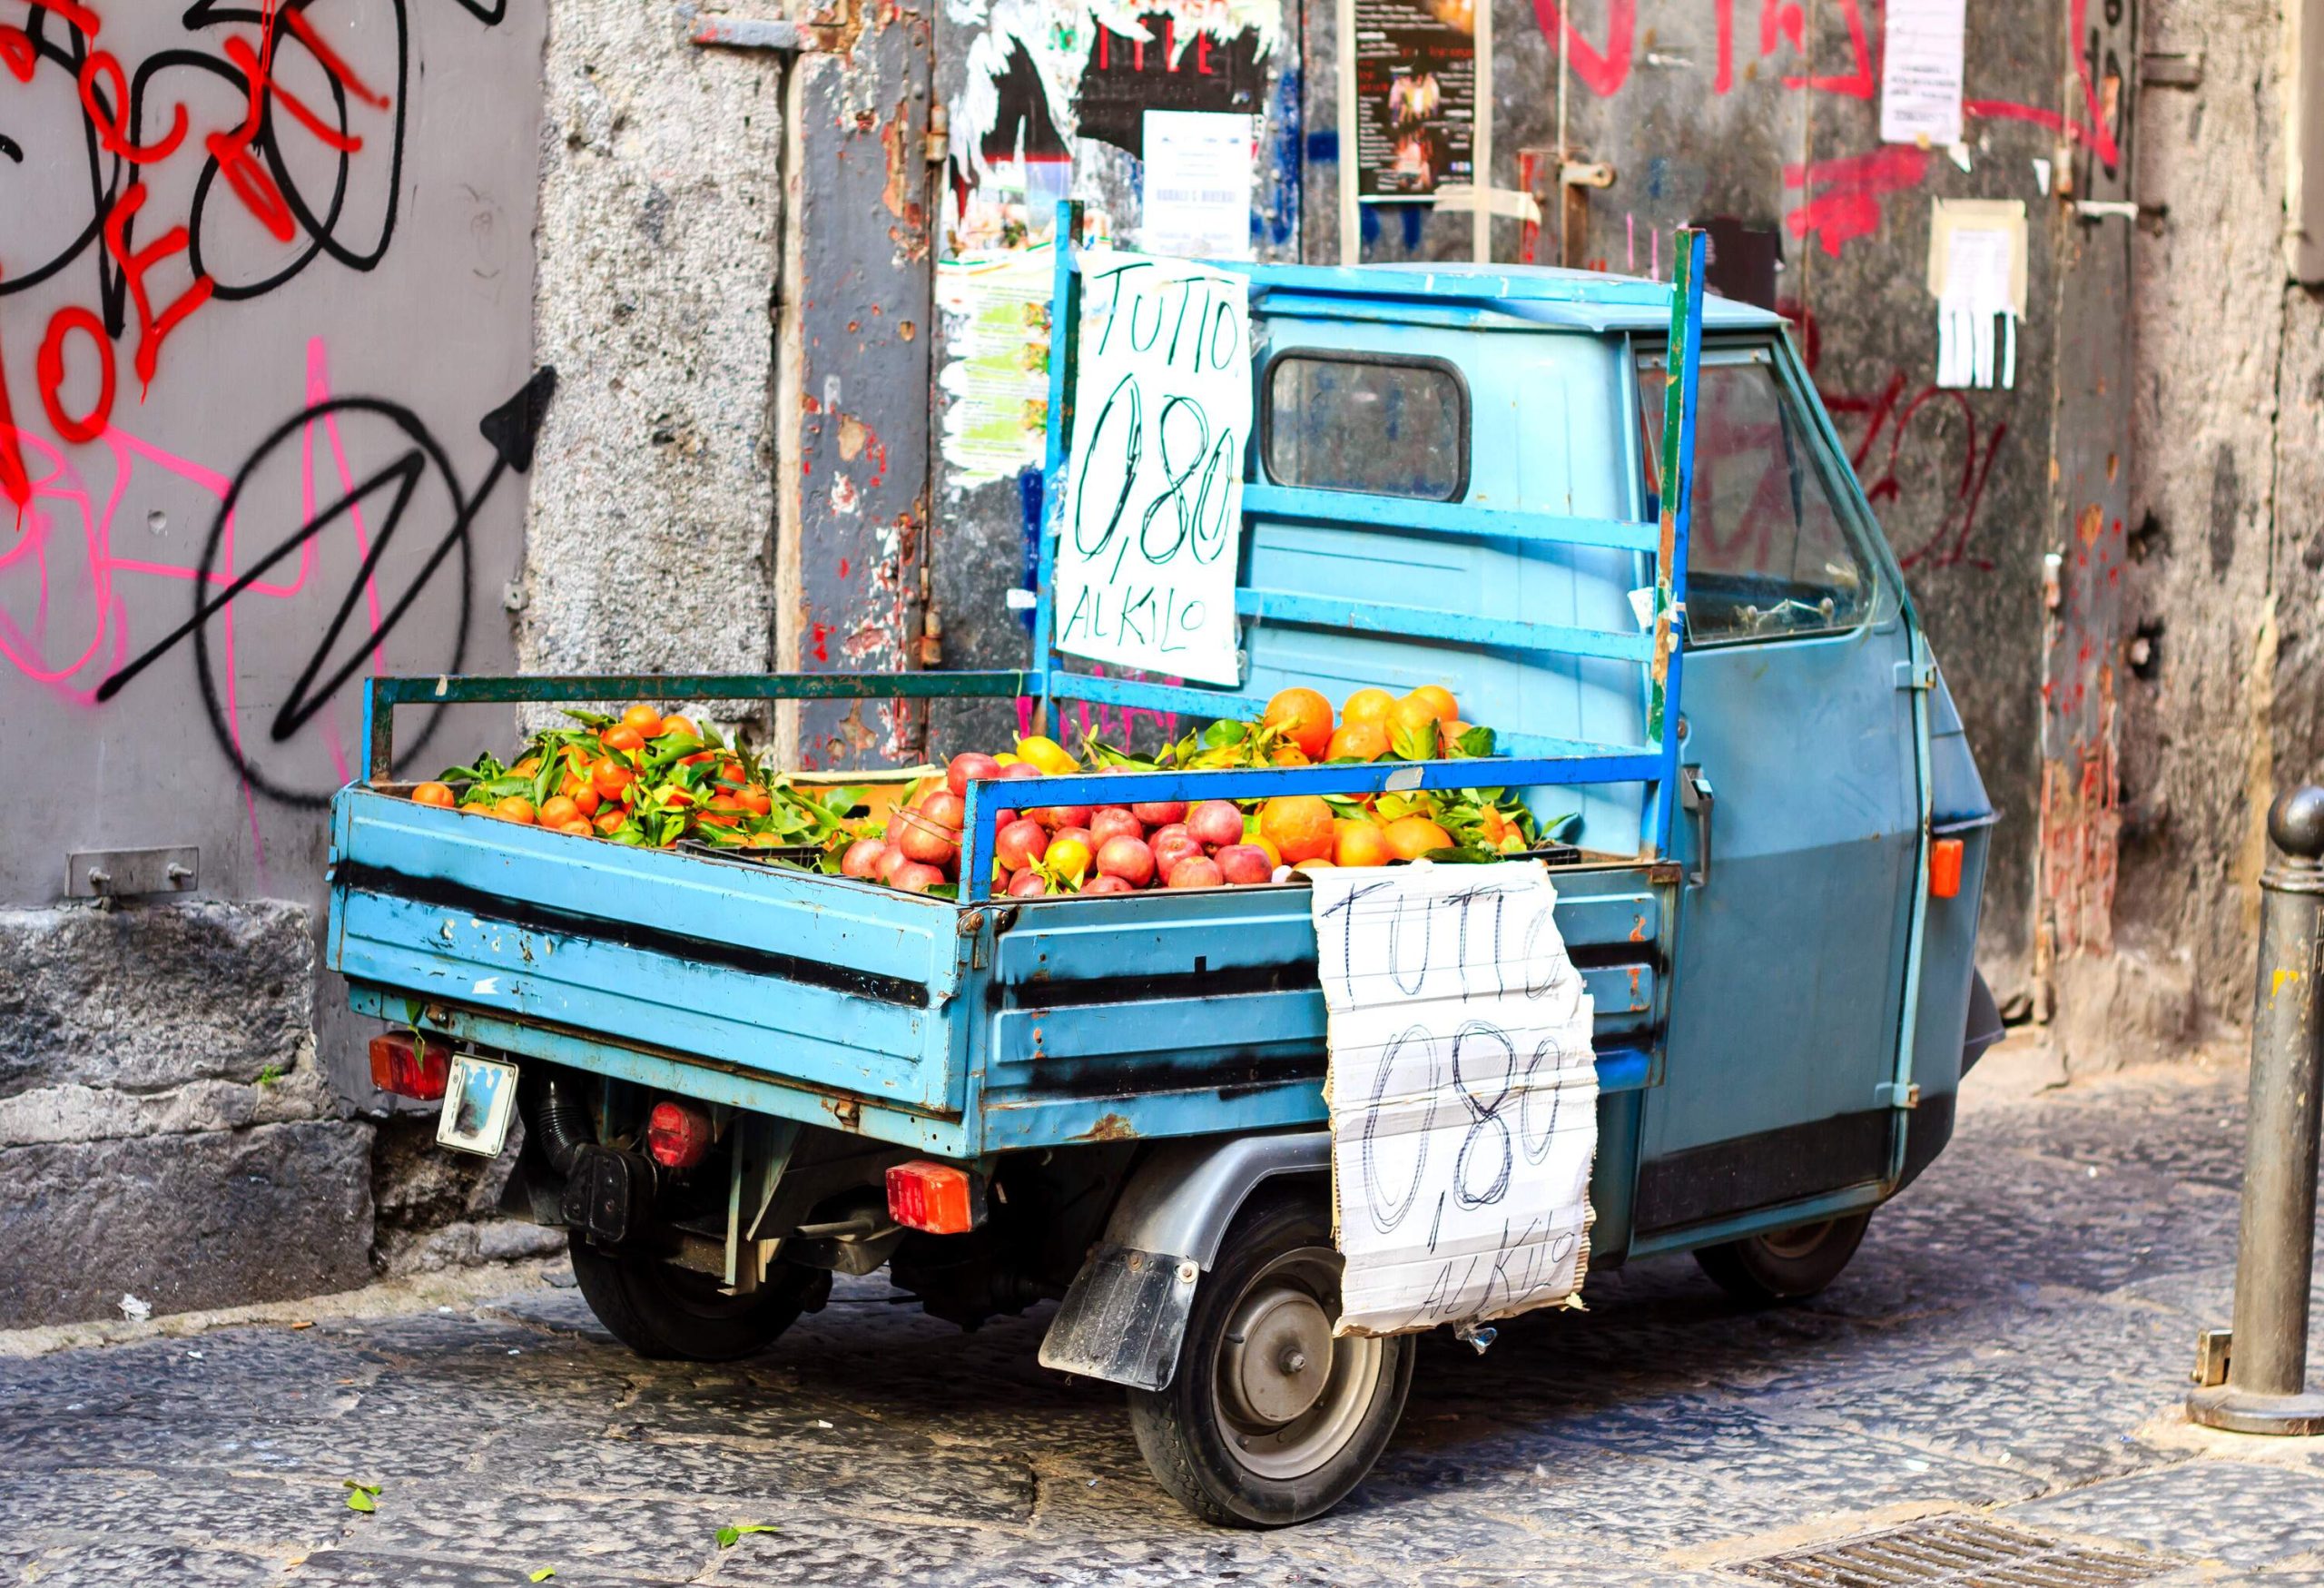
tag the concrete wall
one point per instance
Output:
(2229, 532)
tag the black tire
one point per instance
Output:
(1276, 1280)
(659, 1309)
(1790, 1265)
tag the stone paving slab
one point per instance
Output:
(2012, 1340)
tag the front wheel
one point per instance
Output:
(659, 1309)
(1789, 1265)
(1270, 1421)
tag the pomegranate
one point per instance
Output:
(1003, 817)
(1114, 822)
(1126, 857)
(1244, 863)
(1018, 771)
(1082, 833)
(1160, 813)
(967, 767)
(1027, 883)
(1020, 844)
(891, 860)
(862, 858)
(1216, 822)
(915, 878)
(1172, 846)
(1061, 817)
(922, 838)
(1196, 872)
(946, 808)
(1105, 882)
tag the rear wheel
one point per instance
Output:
(659, 1309)
(1763, 1270)
(1270, 1420)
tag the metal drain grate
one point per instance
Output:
(1957, 1552)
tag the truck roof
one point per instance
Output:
(1592, 300)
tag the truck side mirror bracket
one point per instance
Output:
(1695, 797)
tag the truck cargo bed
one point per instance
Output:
(962, 1029)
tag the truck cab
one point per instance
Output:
(1612, 517)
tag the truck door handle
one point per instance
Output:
(1695, 797)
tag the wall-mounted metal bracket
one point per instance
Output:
(112, 874)
(737, 33)
(1889, 1095)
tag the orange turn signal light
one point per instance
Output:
(1944, 869)
(938, 1197)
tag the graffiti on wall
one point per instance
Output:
(202, 211)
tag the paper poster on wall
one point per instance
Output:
(1464, 1093)
(1416, 97)
(1196, 199)
(1150, 529)
(1976, 274)
(996, 384)
(1920, 72)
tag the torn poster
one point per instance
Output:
(1920, 74)
(996, 376)
(1462, 1090)
(1150, 527)
(1196, 200)
(1976, 274)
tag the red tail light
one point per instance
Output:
(677, 1135)
(938, 1198)
(1944, 869)
(409, 1066)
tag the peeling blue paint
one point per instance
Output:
(1276, 222)
(1415, 216)
(1324, 146)
(1028, 497)
(1658, 176)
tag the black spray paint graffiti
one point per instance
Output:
(390, 495)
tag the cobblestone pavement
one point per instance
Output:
(2013, 1342)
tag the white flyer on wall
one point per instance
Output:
(1464, 1093)
(1149, 527)
(1195, 198)
(1920, 71)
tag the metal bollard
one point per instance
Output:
(2264, 1388)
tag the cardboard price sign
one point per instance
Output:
(1152, 525)
(1464, 1093)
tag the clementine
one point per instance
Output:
(1410, 837)
(1298, 825)
(1358, 741)
(557, 810)
(622, 737)
(516, 808)
(1359, 843)
(645, 719)
(1366, 705)
(1440, 700)
(1302, 716)
(433, 794)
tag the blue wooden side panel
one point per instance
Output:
(834, 984)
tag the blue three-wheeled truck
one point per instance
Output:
(1458, 476)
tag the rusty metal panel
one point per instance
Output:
(2090, 499)
(1035, 75)
(852, 379)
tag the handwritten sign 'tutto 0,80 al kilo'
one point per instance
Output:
(1464, 1093)
(1151, 529)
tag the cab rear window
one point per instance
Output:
(1384, 427)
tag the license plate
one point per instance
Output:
(479, 1099)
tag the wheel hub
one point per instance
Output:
(1278, 1355)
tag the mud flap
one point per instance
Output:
(1124, 1318)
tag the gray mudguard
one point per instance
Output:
(1126, 1314)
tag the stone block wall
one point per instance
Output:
(164, 1133)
